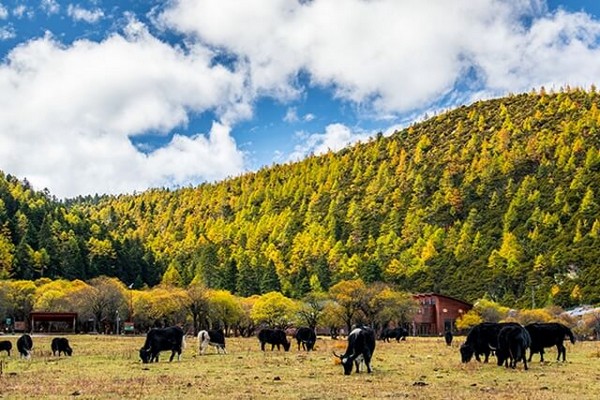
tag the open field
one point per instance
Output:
(107, 367)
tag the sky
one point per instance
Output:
(111, 97)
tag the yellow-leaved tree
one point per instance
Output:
(59, 295)
(274, 310)
(490, 311)
(224, 308)
(168, 305)
(468, 320)
(348, 295)
(172, 277)
(104, 298)
(536, 315)
(246, 325)
(197, 304)
(20, 297)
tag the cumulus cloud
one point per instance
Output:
(79, 13)
(71, 111)
(50, 6)
(335, 137)
(197, 158)
(557, 50)
(397, 56)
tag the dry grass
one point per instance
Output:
(420, 368)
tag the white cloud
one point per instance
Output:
(308, 117)
(396, 56)
(557, 50)
(197, 158)
(3, 12)
(79, 13)
(70, 112)
(291, 115)
(7, 32)
(335, 137)
(22, 10)
(50, 6)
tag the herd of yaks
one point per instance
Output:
(361, 343)
(25, 346)
(509, 342)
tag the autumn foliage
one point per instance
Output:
(492, 200)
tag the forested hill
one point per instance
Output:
(500, 198)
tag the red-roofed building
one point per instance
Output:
(52, 321)
(437, 313)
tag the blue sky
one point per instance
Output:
(115, 96)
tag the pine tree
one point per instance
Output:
(246, 284)
(269, 281)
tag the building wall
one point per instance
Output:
(437, 313)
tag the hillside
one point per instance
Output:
(497, 199)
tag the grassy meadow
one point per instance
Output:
(107, 367)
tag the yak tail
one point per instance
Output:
(202, 337)
(570, 334)
(183, 343)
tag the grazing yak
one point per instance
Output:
(361, 345)
(448, 338)
(306, 337)
(393, 333)
(25, 345)
(482, 339)
(547, 335)
(275, 337)
(162, 339)
(513, 342)
(214, 338)
(61, 345)
(6, 345)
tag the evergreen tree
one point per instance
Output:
(270, 280)
(247, 283)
